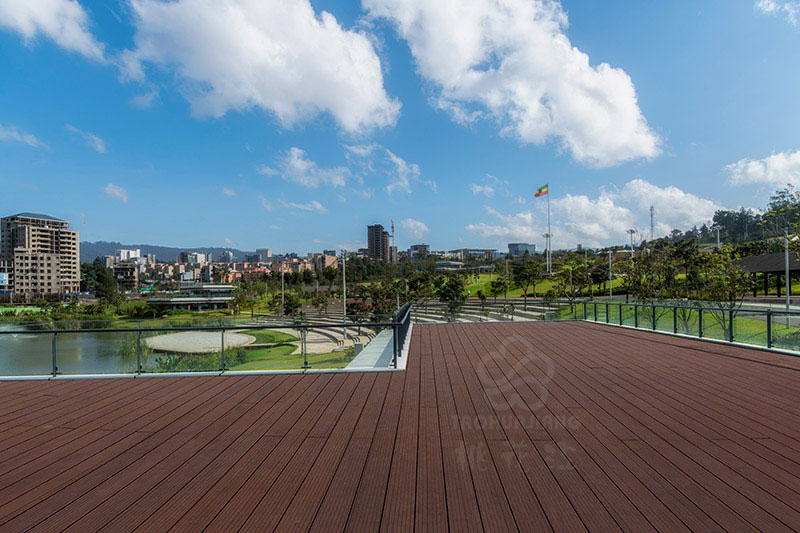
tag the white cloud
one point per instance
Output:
(674, 208)
(374, 159)
(278, 56)
(264, 170)
(790, 11)
(602, 220)
(11, 134)
(266, 204)
(297, 167)
(95, 143)
(63, 21)
(145, 100)
(228, 192)
(486, 190)
(513, 60)
(313, 205)
(777, 169)
(116, 192)
(415, 228)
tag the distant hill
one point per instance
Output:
(90, 250)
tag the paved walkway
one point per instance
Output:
(197, 341)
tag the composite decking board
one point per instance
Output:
(40, 490)
(499, 426)
(731, 485)
(337, 499)
(598, 478)
(108, 500)
(747, 452)
(345, 404)
(706, 369)
(127, 466)
(62, 456)
(215, 492)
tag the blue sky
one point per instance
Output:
(258, 125)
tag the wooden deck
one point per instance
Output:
(529, 426)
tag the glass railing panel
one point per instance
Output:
(189, 351)
(91, 352)
(715, 323)
(664, 319)
(750, 327)
(686, 320)
(27, 354)
(628, 316)
(786, 332)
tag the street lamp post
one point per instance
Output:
(631, 232)
(610, 282)
(282, 292)
(786, 267)
(717, 228)
(344, 294)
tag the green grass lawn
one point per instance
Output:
(484, 281)
(269, 336)
(288, 357)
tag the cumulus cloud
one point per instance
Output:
(116, 192)
(601, 220)
(63, 21)
(297, 167)
(145, 100)
(790, 11)
(95, 143)
(313, 205)
(486, 190)
(376, 160)
(415, 228)
(278, 56)
(228, 192)
(11, 134)
(777, 169)
(512, 60)
(674, 207)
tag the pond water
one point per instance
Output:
(77, 353)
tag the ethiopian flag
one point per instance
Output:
(541, 191)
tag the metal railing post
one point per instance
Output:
(584, 310)
(222, 353)
(636, 315)
(304, 334)
(675, 320)
(607, 313)
(730, 325)
(595, 311)
(620, 313)
(394, 345)
(654, 317)
(769, 329)
(139, 352)
(700, 322)
(55, 359)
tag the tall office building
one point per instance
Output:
(378, 242)
(264, 254)
(43, 253)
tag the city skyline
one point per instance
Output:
(188, 160)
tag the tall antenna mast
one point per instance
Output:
(652, 223)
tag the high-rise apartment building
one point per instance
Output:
(378, 242)
(42, 252)
(264, 254)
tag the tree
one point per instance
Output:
(724, 284)
(452, 291)
(320, 302)
(525, 273)
(497, 286)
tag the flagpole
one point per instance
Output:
(549, 236)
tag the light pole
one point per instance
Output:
(282, 287)
(717, 228)
(631, 232)
(610, 282)
(507, 280)
(344, 294)
(786, 266)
